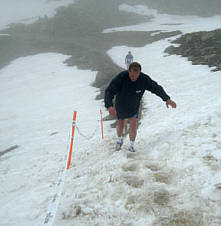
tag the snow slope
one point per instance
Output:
(173, 178)
(38, 96)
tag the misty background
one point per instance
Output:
(185, 7)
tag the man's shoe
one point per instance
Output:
(131, 149)
(118, 146)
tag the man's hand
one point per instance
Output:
(170, 103)
(112, 111)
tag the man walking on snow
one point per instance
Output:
(129, 87)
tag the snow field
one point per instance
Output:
(172, 179)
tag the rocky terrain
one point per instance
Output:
(200, 48)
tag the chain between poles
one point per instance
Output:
(86, 137)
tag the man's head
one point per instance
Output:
(134, 71)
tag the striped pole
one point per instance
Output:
(102, 131)
(72, 139)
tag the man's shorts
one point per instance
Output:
(134, 116)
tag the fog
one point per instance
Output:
(185, 7)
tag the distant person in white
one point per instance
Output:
(129, 59)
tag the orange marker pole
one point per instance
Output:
(72, 139)
(102, 131)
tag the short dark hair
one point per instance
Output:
(134, 66)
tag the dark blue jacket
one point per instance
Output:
(129, 94)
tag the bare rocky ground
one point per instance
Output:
(200, 47)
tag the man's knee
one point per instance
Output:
(133, 124)
(121, 123)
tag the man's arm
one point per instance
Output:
(170, 103)
(108, 97)
(153, 87)
(112, 89)
(112, 111)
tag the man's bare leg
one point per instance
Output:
(132, 133)
(133, 129)
(125, 127)
(120, 127)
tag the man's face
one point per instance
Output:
(134, 74)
